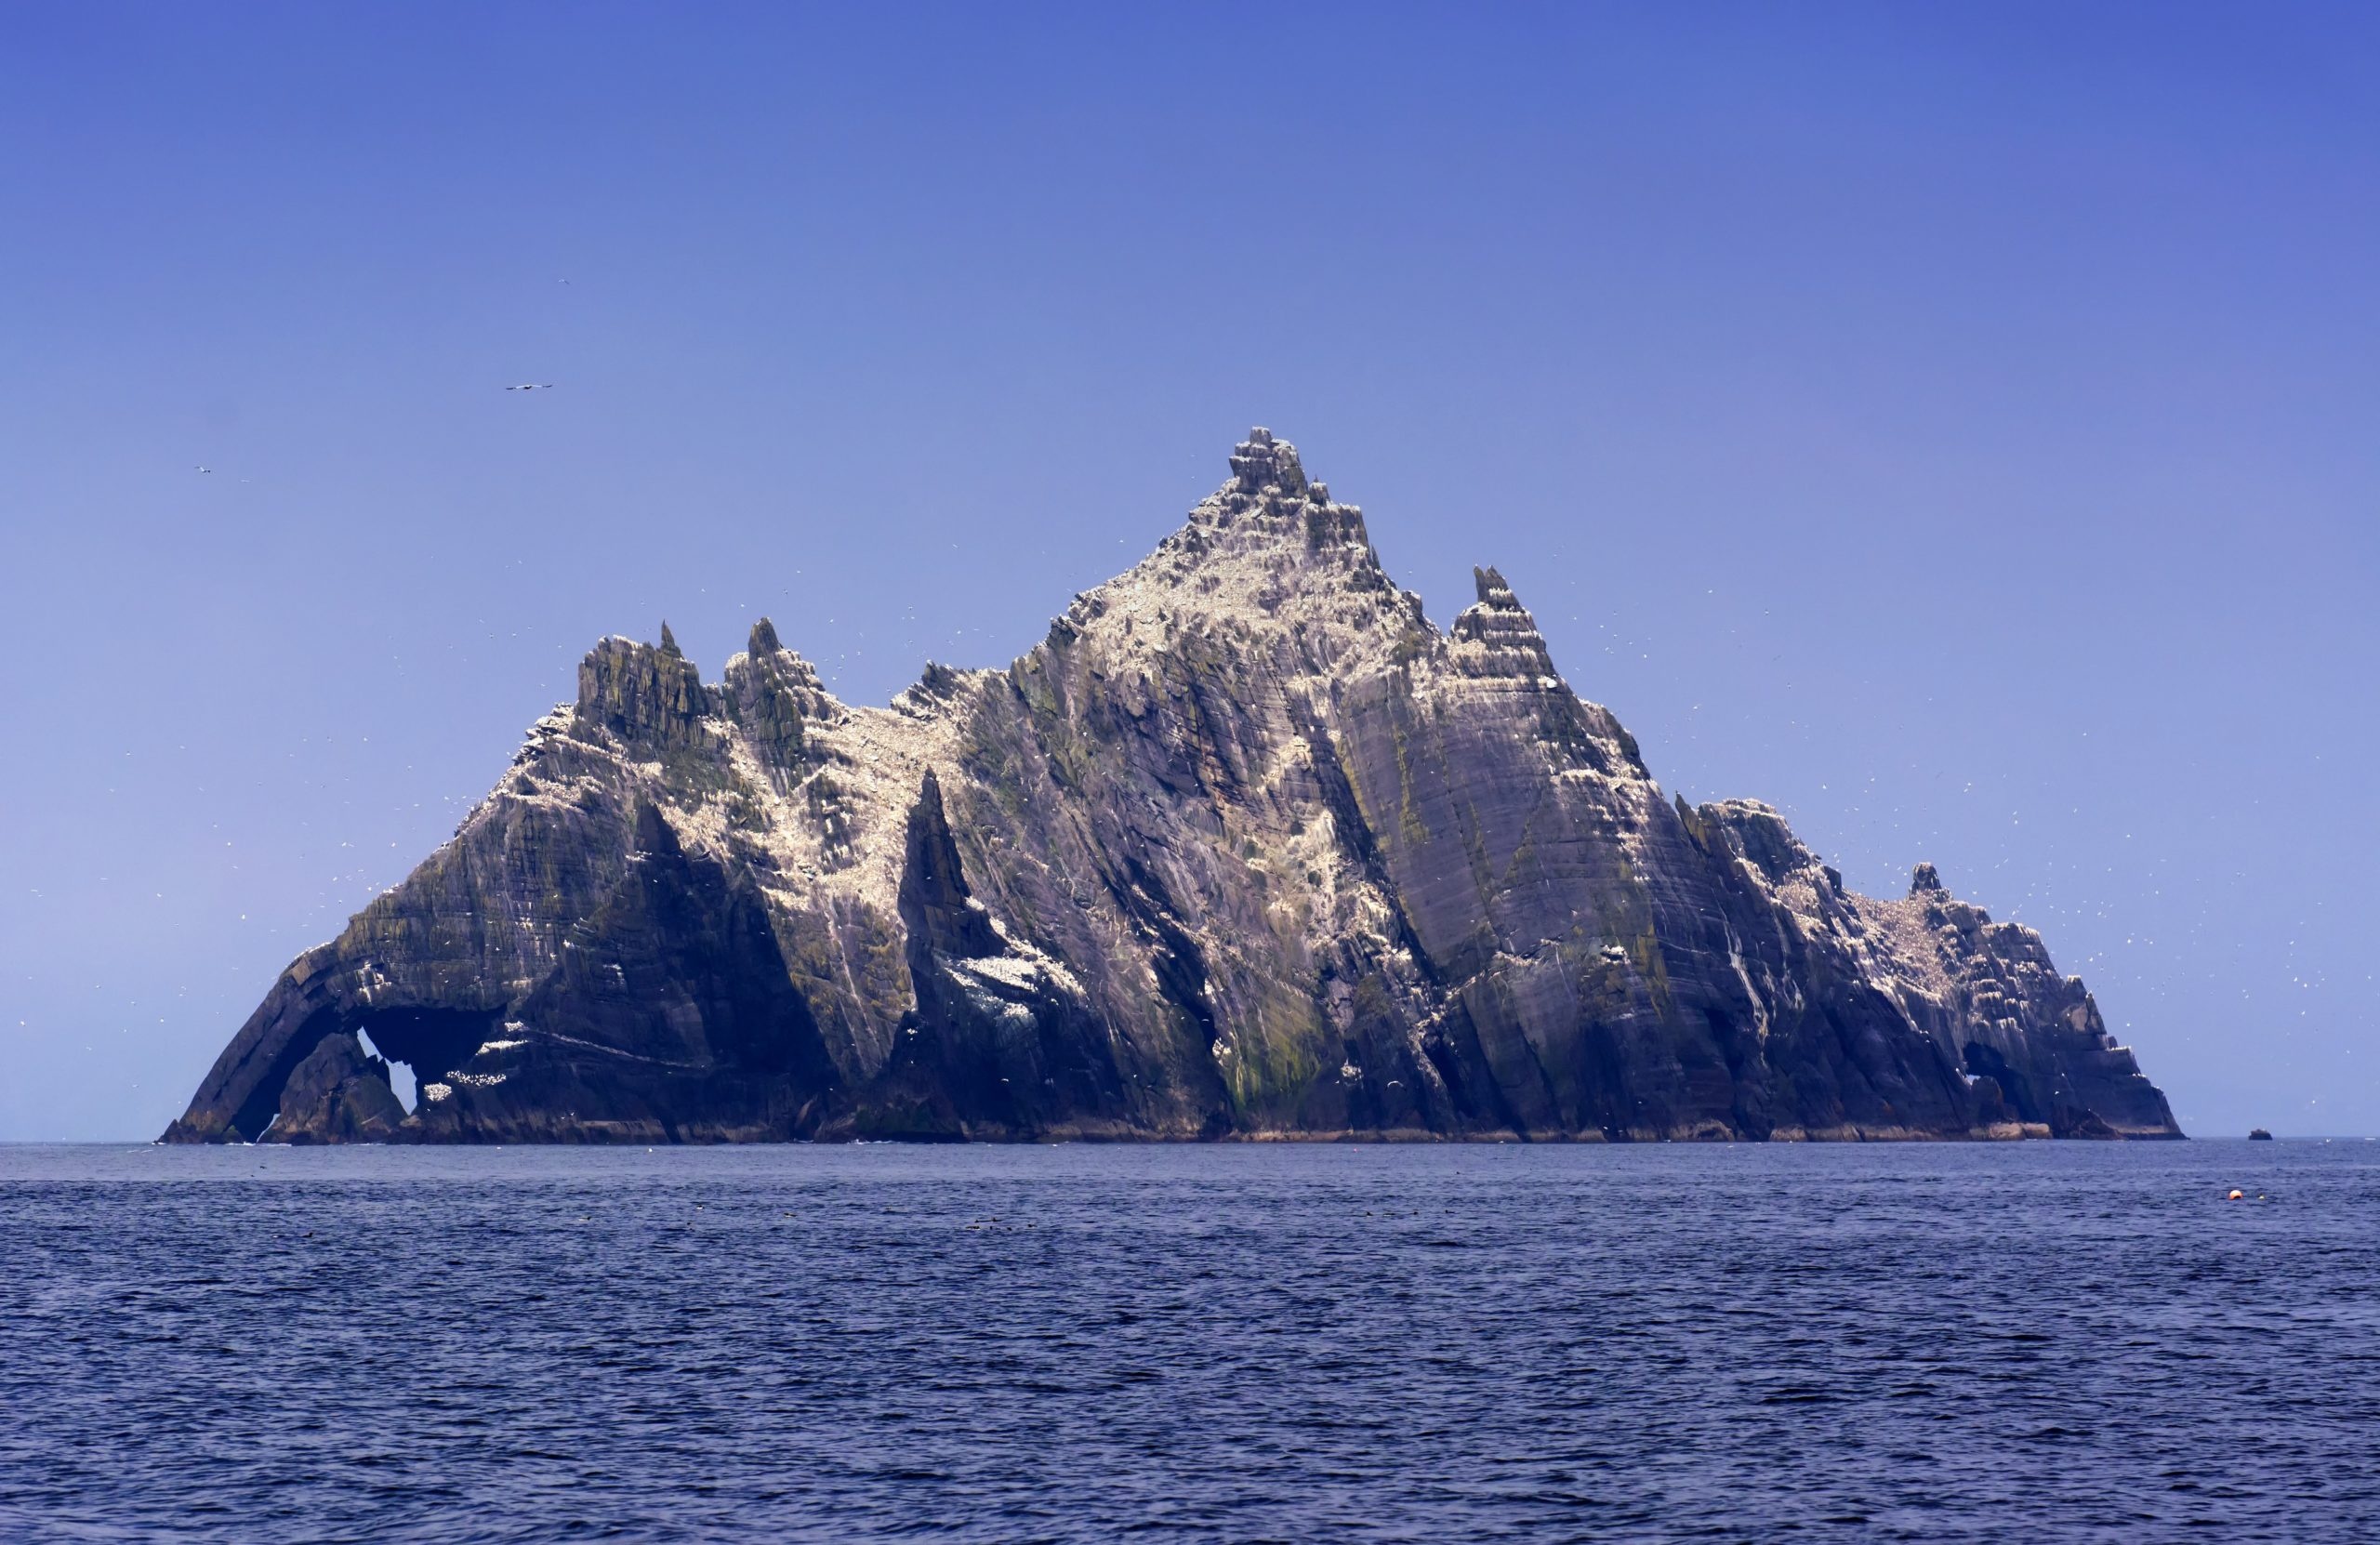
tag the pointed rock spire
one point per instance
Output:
(1503, 637)
(934, 902)
(771, 693)
(656, 838)
(1494, 593)
(668, 640)
(1924, 881)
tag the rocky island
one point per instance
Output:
(1245, 848)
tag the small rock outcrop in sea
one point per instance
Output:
(2257, 1134)
(1245, 847)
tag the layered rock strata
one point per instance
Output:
(1244, 848)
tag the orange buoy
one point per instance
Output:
(2235, 1195)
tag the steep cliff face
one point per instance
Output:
(1245, 847)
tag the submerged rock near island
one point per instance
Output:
(1245, 848)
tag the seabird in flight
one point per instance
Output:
(531, 386)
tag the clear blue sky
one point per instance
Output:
(1958, 426)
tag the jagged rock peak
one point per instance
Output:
(670, 639)
(770, 693)
(644, 692)
(938, 690)
(1924, 880)
(1496, 636)
(1754, 832)
(1494, 593)
(1261, 462)
(1249, 557)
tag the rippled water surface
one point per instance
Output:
(2037, 1340)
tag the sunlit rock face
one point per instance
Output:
(1244, 848)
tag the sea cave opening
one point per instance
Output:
(421, 1046)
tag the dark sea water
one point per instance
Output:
(2043, 1341)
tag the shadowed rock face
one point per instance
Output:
(337, 1094)
(1245, 847)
